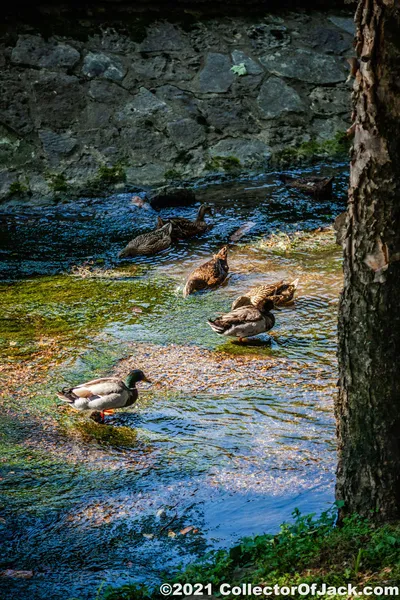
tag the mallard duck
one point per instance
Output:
(280, 293)
(104, 394)
(320, 187)
(208, 275)
(245, 321)
(184, 228)
(149, 243)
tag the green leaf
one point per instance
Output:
(239, 69)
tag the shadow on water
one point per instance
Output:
(228, 440)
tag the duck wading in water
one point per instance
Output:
(245, 321)
(149, 243)
(184, 228)
(209, 275)
(281, 294)
(104, 394)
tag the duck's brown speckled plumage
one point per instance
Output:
(209, 275)
(281, 293)
(184, 228)
(149, 243)
(245, 321)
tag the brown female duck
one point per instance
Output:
(209, 275)
(320, 187)
(149, 243)
(184, 228)
(281, 294)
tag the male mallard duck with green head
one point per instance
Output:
(104, 394)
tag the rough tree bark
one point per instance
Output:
(368, 403)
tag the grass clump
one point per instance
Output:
(227, 163)
(57, 182)
(172, 175)
(114, 174)
(338, 146)
(17, 188)
(88, 430)
(307, 550)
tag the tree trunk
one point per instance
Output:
(368, 404)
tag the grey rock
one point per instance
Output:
(108, 92)
(266, 36)
(252, 67)
(59, 100)
(15, 98)
(249, 152)
(186, 133)
(162, 37)
(326, 129)
(144, 104)
(145, 144)
(182, 101)
(7, 177)
(55, 144)
(216, 75)
(229, 116)
(34, 51)
(330, 101)
(345, 23)
(102, 65)
(149, 174)
(152, 68)
(305, 65)
(331, 41)
(172, 196)
(277, 98)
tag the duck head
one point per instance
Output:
(222, 254)
(134, 377)
(204, 208)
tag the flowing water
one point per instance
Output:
(228, 440)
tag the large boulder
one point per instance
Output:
(186, 133)
(170, 196)
(59, 100)
(249, 153)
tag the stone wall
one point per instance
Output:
(223, 94)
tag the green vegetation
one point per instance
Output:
(227, 163)
(18, 188)
(88, 430)
(114, 174)
(336, 147)
(239, 69)
(172, 175)
(67, 308)
(57, 182)
(308, 551)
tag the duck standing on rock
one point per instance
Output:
(185, 228)
(104, 394)
(149, 243)
(281, 294)
(209, 275)
(245, 321)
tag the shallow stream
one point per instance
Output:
(228, 440)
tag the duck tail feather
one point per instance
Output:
(295, 283)
(215, 327)
(66, 395)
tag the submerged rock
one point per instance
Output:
(173, 197)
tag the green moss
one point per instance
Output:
(227, 163)
(88, 430)
(300, 242)
(336, 147)
(114, 174)
(18, 188)
(307, 550)
(70, 309)
(57, 182)
(172, 175)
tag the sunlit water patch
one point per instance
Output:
(230, 437)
